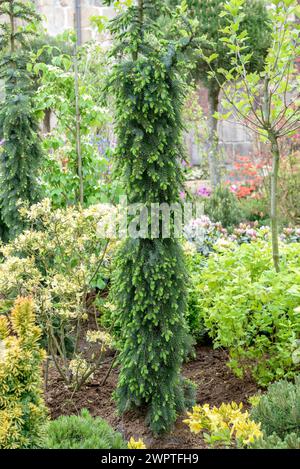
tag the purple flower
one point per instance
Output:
(204, 191)
(251, 232)
(182, 195)
(2, 142)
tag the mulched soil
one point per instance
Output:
(215, 384)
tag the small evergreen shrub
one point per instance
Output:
(255, 210)
(136, 444)
(82, 432)
(222, 206)
(278, 410)
(291, 441)
(22, 409)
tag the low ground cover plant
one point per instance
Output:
(278, 411)
(82, 432)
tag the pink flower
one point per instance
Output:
(233, 188)
(204, 191)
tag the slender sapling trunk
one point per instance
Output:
(78, 136)
(274, 199)
(212, 143)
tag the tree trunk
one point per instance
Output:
(274, 199)
(78, 135)
(12, 27)
(47, 121)
(213, 140)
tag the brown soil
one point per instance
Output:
(215, 384)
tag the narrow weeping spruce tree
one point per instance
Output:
(20, 146)
(149, 284)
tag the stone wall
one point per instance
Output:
(59, 15)
(235, 139)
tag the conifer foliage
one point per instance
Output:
(149, 284)
(20, 145)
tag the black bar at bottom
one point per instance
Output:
(138, 458)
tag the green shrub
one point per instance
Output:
(22, 409)
(82, 432)
(58, 260)
(279, 409)
(255, 210)
(195, 319)
(291, 441)
(223, 206)
(253, 311)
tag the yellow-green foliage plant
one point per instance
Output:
(58, 260)
(22, 409)
(225, 426)
(251, 310)
(136, 444)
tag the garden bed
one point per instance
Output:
(215, 384)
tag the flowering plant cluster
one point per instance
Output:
(227, 425)
(204, 236)
(290, 235)
(204, 191)
(57, 260)
(246, 176)
(203, 233)
(246, 233)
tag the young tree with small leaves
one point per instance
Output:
(149, 285)
(266, 101)
(207, 13)
(70, 85)
(21, 152)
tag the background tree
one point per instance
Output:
(207, 13)
(21, 152)
(150, 279)
(69, 85)
(267, 101)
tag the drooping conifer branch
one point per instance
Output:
(21, 152)
(150, 280)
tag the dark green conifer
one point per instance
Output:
(20, 150)
(150, 280)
